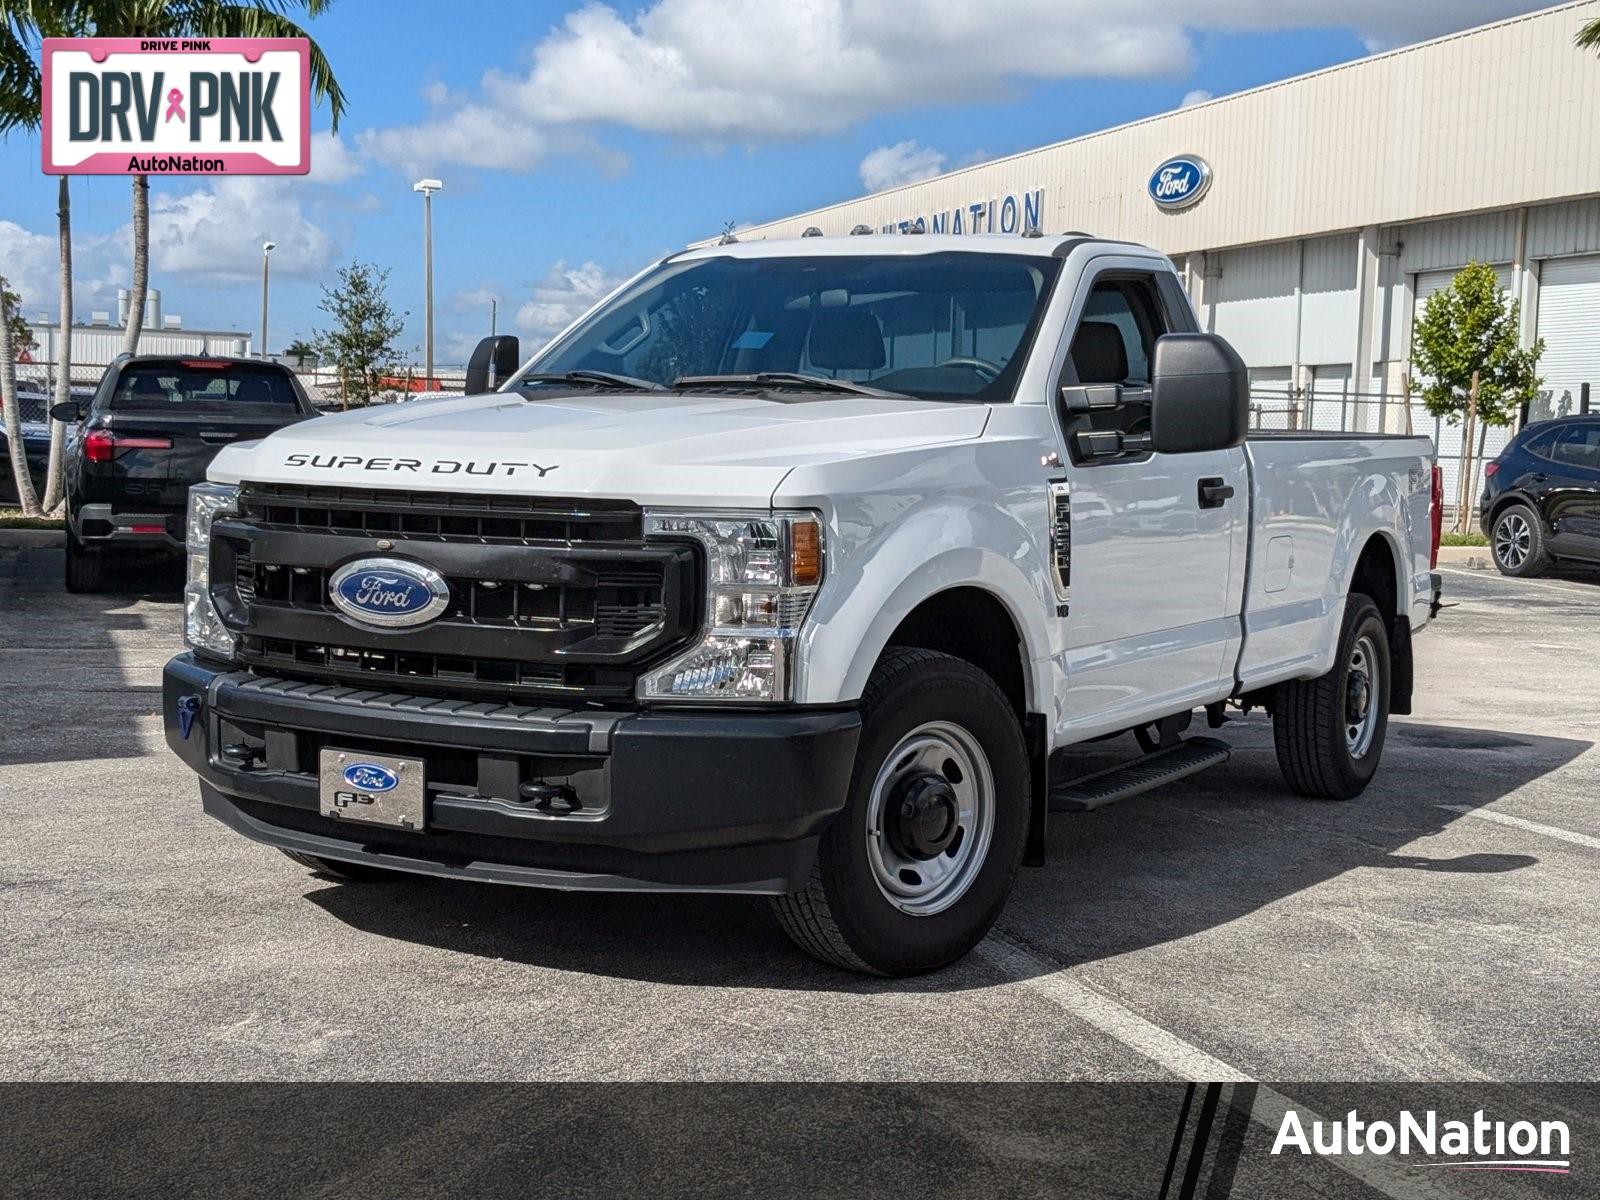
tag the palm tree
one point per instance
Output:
(1589, 36)
(20, 30)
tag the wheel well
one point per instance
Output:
(1504, 502)
(1375, 576)
(969, 623)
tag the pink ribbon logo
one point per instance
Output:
(175, 105)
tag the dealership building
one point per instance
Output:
(1312, 218)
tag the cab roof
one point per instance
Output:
(1049, 245)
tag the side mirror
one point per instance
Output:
(1199, 394)
(67, 412)
(494, 360)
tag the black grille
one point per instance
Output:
(422, 514)
(550, 599)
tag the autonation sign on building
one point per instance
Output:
(176, 106)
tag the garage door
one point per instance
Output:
(1569, 323)
(1429, 282)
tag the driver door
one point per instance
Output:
(1157, 559)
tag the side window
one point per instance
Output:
(1543, 443)
(1117, 333)
(1579, 446)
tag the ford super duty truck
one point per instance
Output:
(796, 568)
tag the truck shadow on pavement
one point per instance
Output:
(88, 665)
(1151, 870)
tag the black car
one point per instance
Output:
(1541, 497)
(151, 430)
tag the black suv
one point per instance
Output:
(151, 430)
(1541, 496)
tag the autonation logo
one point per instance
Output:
(1479, 1145)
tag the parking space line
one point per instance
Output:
(1167, 1050)
(1547, 585)
(1485, 814)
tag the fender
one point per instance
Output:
(943, 546)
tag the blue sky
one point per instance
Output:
(579, 141)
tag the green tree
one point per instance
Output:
(1467, 353)
(22, 338)
(13, 416)
(299, 350)
(360, 346)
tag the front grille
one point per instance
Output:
(422, 514)
(551, 599)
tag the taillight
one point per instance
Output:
(101, 445)
(1490, 470)
(1437, 515)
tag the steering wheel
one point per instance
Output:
(989, 371)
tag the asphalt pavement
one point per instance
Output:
(1442, 926)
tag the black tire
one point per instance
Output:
(1312, 718)
(1516, 541)
(86, 569)
(844, 916)
(335, 869)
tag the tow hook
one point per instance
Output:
(188, 709)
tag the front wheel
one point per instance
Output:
(917, 866)
(1329, 731)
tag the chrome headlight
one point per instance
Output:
(202, 626)
(762, 571)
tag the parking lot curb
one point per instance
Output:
(31, 539)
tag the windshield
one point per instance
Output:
(203, 385)
(951, 326)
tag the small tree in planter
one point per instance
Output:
(360, 346)
(1466, 354)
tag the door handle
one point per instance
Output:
(1214, 493)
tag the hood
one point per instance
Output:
(723, 450)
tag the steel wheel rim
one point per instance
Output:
(1361, 697)
(1513, 539)
(924, 887)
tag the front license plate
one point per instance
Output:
(373, 789)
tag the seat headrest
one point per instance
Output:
(1098, 353)
(846, 339)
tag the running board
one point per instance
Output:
(1142, 775)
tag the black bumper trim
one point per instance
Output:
(717, 801)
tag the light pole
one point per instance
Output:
(266, 249)
(427, 187)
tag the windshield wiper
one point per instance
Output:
(596, 379)
(783, 379)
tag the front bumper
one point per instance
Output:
(658, 801)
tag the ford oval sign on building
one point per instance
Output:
(1180, 182)
(388, 593)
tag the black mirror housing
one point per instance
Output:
(494, 360)
(1199, 394)
(67, 412)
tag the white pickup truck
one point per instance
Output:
(796, 568)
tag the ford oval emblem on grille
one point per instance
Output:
(370, 777)
(388, 593)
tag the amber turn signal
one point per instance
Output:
(805, 553)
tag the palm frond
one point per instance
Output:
(1589, 36)
(268, 20)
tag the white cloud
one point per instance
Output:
(100, 265)
(903, 162)
(1195, 96)
(215, 232)
(564, 295)
(332, 160)
(753, 70)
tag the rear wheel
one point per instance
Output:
(1329, 731)
(86, 569)
(335, 869)
(917, 866)
(1518, 543)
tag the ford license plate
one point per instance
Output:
(373, 789)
